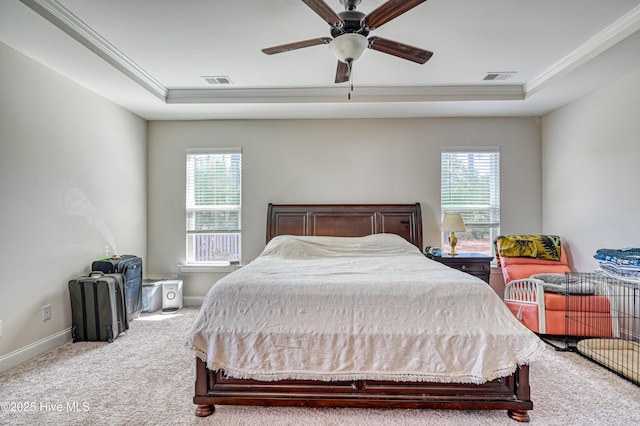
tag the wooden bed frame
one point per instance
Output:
(509, 393)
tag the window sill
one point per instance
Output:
(208, 268)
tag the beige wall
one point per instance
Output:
(591, 171)
(76, 175)
(332, 161)
(72, 181)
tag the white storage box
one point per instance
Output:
(151, 295)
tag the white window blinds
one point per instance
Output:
(470, 185)
(213, 206)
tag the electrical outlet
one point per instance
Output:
(46, 312)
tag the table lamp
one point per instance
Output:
(453, 223)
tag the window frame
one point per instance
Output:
(492, 208)
(190, 207)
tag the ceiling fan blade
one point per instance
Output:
(296, 45)
(343, 72)
(388, 11)
(325, 12)
(400, 50)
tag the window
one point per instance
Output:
(214, 207)
(470, 185)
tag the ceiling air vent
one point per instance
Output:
(217, 79)
(505, 75)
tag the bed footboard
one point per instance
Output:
(509, 393)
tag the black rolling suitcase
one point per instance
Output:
(131, 267)
(98, 311)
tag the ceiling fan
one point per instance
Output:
(350, 29)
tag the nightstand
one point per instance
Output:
(476, 264)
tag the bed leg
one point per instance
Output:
(204, 410)
(519, 415)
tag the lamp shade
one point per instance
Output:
(452, 222)
(348, 47)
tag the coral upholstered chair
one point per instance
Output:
(546, 312)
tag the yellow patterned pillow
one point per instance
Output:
(518, 248)
(537, 246)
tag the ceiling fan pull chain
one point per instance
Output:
(350, 80)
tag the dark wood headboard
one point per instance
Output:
(345, 220)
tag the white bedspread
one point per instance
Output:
(339, 308)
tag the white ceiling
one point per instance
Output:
(150, 55)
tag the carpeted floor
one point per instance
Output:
(146, 377)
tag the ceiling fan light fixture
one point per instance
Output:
(348, 47)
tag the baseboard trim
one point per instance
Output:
(24, 354)
(192, 300)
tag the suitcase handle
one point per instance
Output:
(96, 274)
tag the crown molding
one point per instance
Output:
(66, 21)
(612, 34)
(339, 94)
